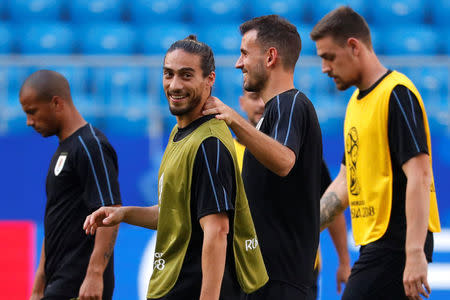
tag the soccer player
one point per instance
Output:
(81, 178)
(386, 175)
(253, 106)
(282, 163)
(206, 243)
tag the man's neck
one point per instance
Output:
(72, 122)
(372, 70)
(277, 83)
(186, 119)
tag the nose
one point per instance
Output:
(175, 84)
(325, 67)
(239, 63)
(30, 121)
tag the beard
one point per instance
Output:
(258, 80)
(190, 105)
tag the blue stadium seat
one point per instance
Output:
(217, 11)
(440, 11)
(228, 86)
(155, 11)
(398, 11)
(320, 9)
(227, 42)
(409, 40)
(118, 85)
(131, 120)
(157, 39)
(34, 10)
(46, 38)
(107, 38)
(308, 45)
(293, 10)
(6, 39)
(434, 82)
(88, 11)
(446, 41)
(311, 80)
(377, 39)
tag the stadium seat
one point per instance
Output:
(319, 10)
(227, 42)
(434, 82)
(88, 11)
(398, 11)
(107, 38)
(46, 38)
(311, 80)
(34, 10)
(155, 11)
(217, 11)
(118, 85)
(440, 12)
(228, 86)
(308, 45)
(293, 10)
(376, 34)
(158, 38)
(6, 39)
(446, 41)
(411, 40)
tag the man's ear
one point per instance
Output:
(211, 79)
(272, 57)
(57, 103)
(355, 45)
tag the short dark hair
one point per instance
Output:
(191, 45)
(275, 31)
(342, 24)
(47, 84)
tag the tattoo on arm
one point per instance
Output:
(110, 249)
(330, 207)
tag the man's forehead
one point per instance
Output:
(179, 59)
(250, 36)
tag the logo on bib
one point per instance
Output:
(60, 163)
(251, 244)
(159, 263)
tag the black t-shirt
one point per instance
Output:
(285, 210)
(407, 139)
(213, 190)
(82, 177)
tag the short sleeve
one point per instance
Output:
(97, 170)
(290, 121)
(213, 179)
(406, 128)
(325, 178)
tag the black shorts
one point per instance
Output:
(377, 274)
(277, 290)
(312, 292)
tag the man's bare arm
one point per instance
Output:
(215, 229)
(92, 286)
(338, 233)
(335, 199)
(418, 173)
(107, 216)
(39, 279)
(273, 155)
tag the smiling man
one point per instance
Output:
(206, 244)
(283, 160)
